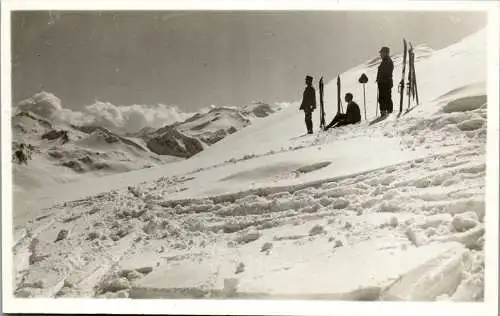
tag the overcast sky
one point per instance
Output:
(197, 59)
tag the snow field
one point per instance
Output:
(119, 225)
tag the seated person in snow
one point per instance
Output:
(351, 116)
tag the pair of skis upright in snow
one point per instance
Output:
(321, 103)
(411, 90)
(322, 106)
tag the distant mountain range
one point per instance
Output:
(185, 139)
(63, 152)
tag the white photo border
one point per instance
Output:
(254, 307)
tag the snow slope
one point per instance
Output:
(388, 211)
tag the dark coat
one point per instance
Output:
(309, 99)
(352, 113)
(384, 74)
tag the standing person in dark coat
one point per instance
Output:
(351, 116)
(308, 104)
(384, 81)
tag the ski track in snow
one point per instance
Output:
(114, 239)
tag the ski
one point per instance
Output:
(412, 80)
(339, 100)
(414, 90)
(409, 110)
(402, 83)
(410, 75)
(303, 135)
(322, 107)
(378, 119)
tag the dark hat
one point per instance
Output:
(309, 78)
(384, 49)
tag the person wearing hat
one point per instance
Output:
(308, 104)
(384, 82)
(352, 114)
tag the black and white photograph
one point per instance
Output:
(226, 155)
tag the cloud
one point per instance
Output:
(73, 117)
(106, 115)
(43, 103)
(121, 119)
(136, 117)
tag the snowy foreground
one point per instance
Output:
(389, 211)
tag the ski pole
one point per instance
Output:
(364, 99)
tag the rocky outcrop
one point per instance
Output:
(259, 109)
(107, 135)
(56, 134)
(168, 141)
(28, 122)
(212, 138)
(85, 164)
